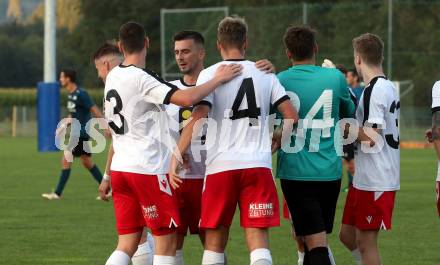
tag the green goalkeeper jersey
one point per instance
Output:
(321, 98)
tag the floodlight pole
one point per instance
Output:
(162, 43)
(48, 92)
(390, 39)
(49, 41)
(304, 9)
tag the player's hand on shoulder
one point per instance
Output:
(227, 72)
(265, 65)
(328, 64)
(175, 168)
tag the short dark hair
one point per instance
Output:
(370, 48)
(300, 41)
(132, 36)
(341, 68)
(70, 73)
(190, 35)
(106, 49)
(232, 32)
(353, 70)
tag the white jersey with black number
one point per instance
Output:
(435, 106)
(134, 108)
(239, 129)
(197, 152)
(378, 168)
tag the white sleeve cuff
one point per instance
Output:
(438, 170)
(435, 102)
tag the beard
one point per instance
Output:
(186, 71)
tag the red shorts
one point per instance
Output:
(286, 212)
(144, 200)
(252, 188)
(369, 210)
(189, 196)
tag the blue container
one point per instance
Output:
(48, 113)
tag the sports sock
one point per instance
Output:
(96, 173)
(118, 258)
(64, 177)
(143, 255)
(330, 255)
(356, 256)
(261, 256)
(163, 260)
(179, 258)
(150, 240)
(300, 257)
(262, 262)
(213, 258)
(319, 256)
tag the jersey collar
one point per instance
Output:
(183, 82)
(374, 80)
(235, 60)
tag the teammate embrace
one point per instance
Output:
(211, 131)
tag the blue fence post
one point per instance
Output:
(48, 113)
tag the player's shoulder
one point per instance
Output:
(124, 71)
(212, 68)
(180, 83)
(176, 82)
(82, 91)
(381, 88)
(245, 63)
(250, 66)
(283, 74)
(149, 73)
(133, 70)
(331, 73)
(385, 85)
(251, 70)
(436, 89)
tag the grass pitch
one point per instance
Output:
(80, 230)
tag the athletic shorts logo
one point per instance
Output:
(258, 210)
(369, 218)
(150, 212)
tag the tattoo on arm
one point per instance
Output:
(436, 125)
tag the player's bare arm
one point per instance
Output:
(265, 65)
(98, 114)
(105, 186)
(428, 135)
(290, 118)
(365, 133)
(191, 96)
(435, 132)
(435, 137)
(199, 112)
